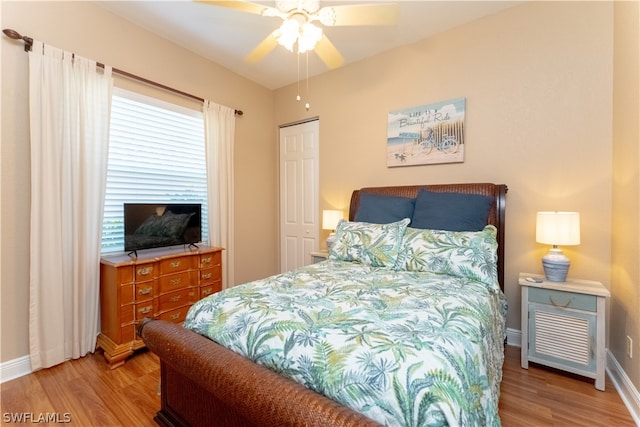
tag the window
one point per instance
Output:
(156, 155)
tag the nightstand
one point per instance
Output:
(563, 325)
(319, 256)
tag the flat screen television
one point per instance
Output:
(155, 225)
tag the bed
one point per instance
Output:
(405, 319)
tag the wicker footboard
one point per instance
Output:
(204, 384)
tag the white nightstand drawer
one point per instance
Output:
(560, 299)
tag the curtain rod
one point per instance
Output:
(28, 43)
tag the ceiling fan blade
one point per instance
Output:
(265, 46)
(243, 6)
(328, 53)
(362, 14)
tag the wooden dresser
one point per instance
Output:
(161, 284)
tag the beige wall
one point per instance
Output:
(537, 80)
(625, 279)
(93, 32)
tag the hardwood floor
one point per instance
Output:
(94, 395)
(89, 392)
(542, 396)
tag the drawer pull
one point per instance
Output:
(175, 264)
(175, 282)
(176, 316)
(144, 271)
(207, 276)
(145, 291)
(207, 292)
(145, 310)
(176, 298)
(206, 260)
(559, 305)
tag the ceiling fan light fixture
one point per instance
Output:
(288, 33)
(305, 34)
(309, 36)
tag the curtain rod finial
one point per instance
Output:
(13, 34)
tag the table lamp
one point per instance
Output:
(557, 228)
(330, 219)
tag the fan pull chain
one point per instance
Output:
(298, 95)
(306, 105)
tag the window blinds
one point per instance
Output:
(156, 155)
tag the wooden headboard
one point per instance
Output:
(496, 215)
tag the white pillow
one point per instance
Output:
(467, 254)
(372, 244)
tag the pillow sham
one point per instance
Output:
(381, 209)
(376, 245)
(466, 254)
(451, 211)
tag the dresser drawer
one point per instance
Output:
(210, 275)
(205, 291)
(177, 299)
(175, 265)
(145, 272)
(145, 291)
(144, 309)
(175, 282)
(176, 315)
(210, 259)
(561, 299)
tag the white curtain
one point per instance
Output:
(69, 103)
(219, 129)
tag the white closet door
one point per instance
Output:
(299, 222)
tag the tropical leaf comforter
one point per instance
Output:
(403, 347)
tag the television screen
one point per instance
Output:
(149, 225)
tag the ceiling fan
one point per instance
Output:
(298, 31)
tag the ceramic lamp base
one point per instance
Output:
(556, 266)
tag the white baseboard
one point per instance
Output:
(15, 368)
(514, 337)
(627, 391)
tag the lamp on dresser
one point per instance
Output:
(557, 228)
(330, 219)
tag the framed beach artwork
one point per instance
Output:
(427, 134)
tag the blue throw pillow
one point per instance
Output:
(380, 209)
(451, 211)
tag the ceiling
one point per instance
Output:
(226, 36)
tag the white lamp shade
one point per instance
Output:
(330, 219)
(558, 228)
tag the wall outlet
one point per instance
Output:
(629, 347)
